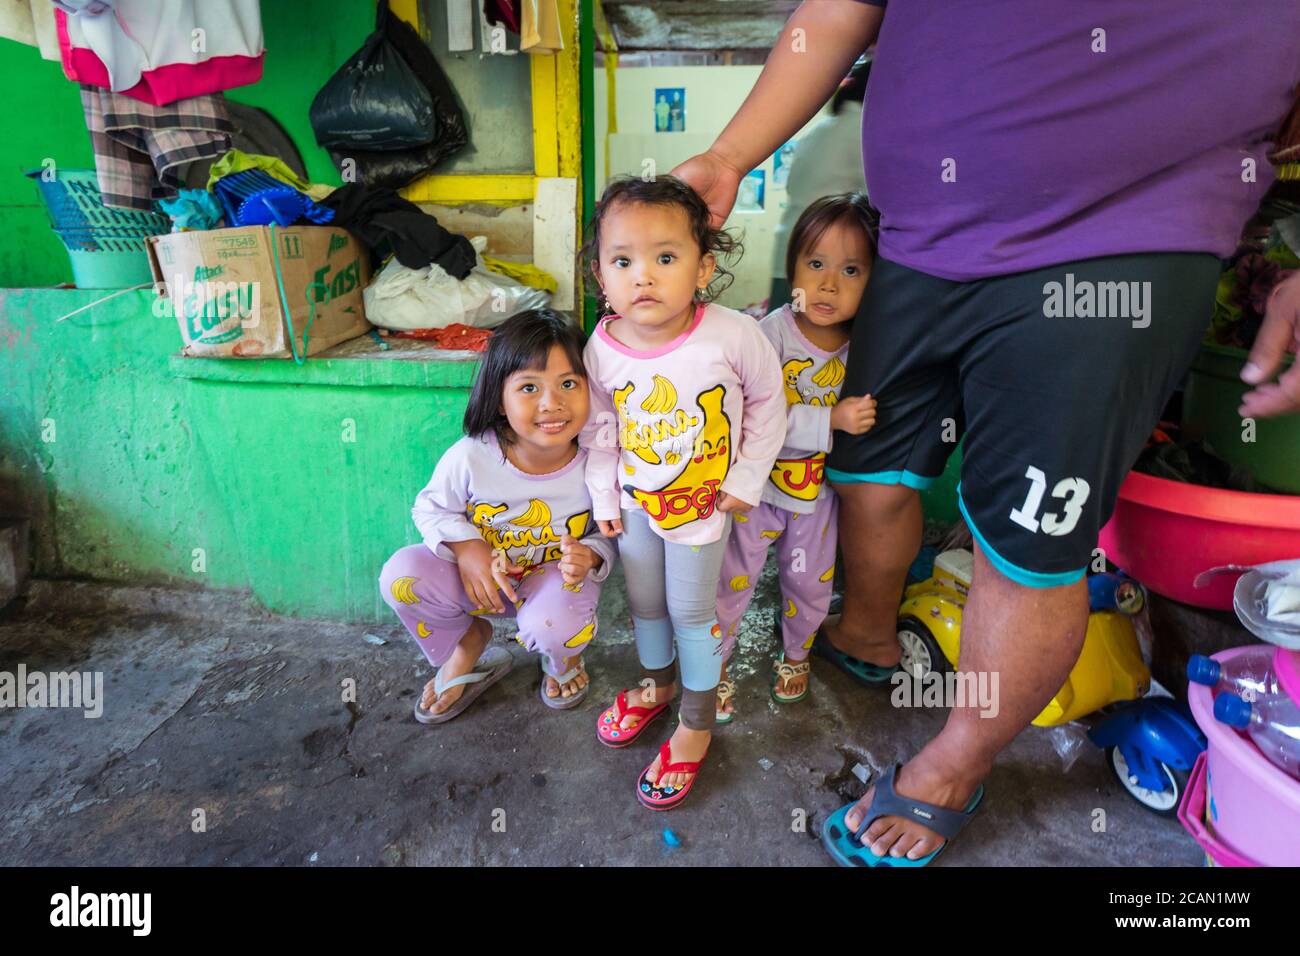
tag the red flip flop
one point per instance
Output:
(608, 731)
(665, 798)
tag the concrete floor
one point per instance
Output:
(213, 704)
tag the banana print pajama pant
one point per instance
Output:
(805, 551)
(426, 593)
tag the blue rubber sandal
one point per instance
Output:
(864, 672)
(845, 846)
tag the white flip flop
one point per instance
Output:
(492, 665)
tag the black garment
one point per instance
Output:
(391, 225)
(1055, 409)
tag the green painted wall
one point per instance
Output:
(295, 482)
(43, 119)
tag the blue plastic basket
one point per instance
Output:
(105, 246)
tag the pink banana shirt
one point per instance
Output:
(671, 428)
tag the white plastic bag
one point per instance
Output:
(401, 298)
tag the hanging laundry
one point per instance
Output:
(504, 12)
(30, 22)
(141, 150)
(541, 32)
(161, 52)
(256, 198)
(391, 225)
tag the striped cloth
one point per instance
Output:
(141, 150)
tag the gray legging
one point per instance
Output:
(672, 589)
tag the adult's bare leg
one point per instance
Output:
(880, 533)
(1030, 638)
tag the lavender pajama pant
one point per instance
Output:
(805, 550)
(426, 593)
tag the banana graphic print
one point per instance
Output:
(800, 478)
(790, 609)
(421, 629)
(829, 375)
(401, 590)
(577, 524)
(790, 370)
(740, 582)
(537, 515)
(663, 397)
(482, 514)
(807, 645)
(770, 535)
(691, 495)
(582, 637)
(642, 451)
(828, 574)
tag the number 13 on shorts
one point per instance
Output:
(1070, 492)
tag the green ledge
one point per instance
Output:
(359, 363)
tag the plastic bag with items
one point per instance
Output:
(429, 298)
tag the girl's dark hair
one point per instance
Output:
(850, 208)
(665, 191)
(523, 341)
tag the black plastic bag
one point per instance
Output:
(396, 168)
(375, 100)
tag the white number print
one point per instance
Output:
(1072, 493)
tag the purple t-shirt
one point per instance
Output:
(999, 137)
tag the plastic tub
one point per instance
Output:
(1165, 533)
(1210, 403)
(1253, 808)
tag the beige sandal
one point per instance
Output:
(785, 673)
(726, 691)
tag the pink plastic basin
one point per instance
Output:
(1165, 533)
(1254, 808)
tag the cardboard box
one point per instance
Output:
(236, 291)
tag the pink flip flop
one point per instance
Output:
(665, 798)
(608, 731)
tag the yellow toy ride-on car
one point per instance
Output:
(1109, 669)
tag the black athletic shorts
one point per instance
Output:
(1055, 378)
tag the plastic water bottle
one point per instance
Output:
(1249, 675)
(1273, 724)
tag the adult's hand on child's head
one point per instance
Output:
(730, 504)
(715, 179)
(854, 415)
(610, 529)
(1279, 334)
(577, 560)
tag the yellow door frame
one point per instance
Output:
(557, 127)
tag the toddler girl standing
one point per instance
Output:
(687, 416)
(507, 515)
(829, 261)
